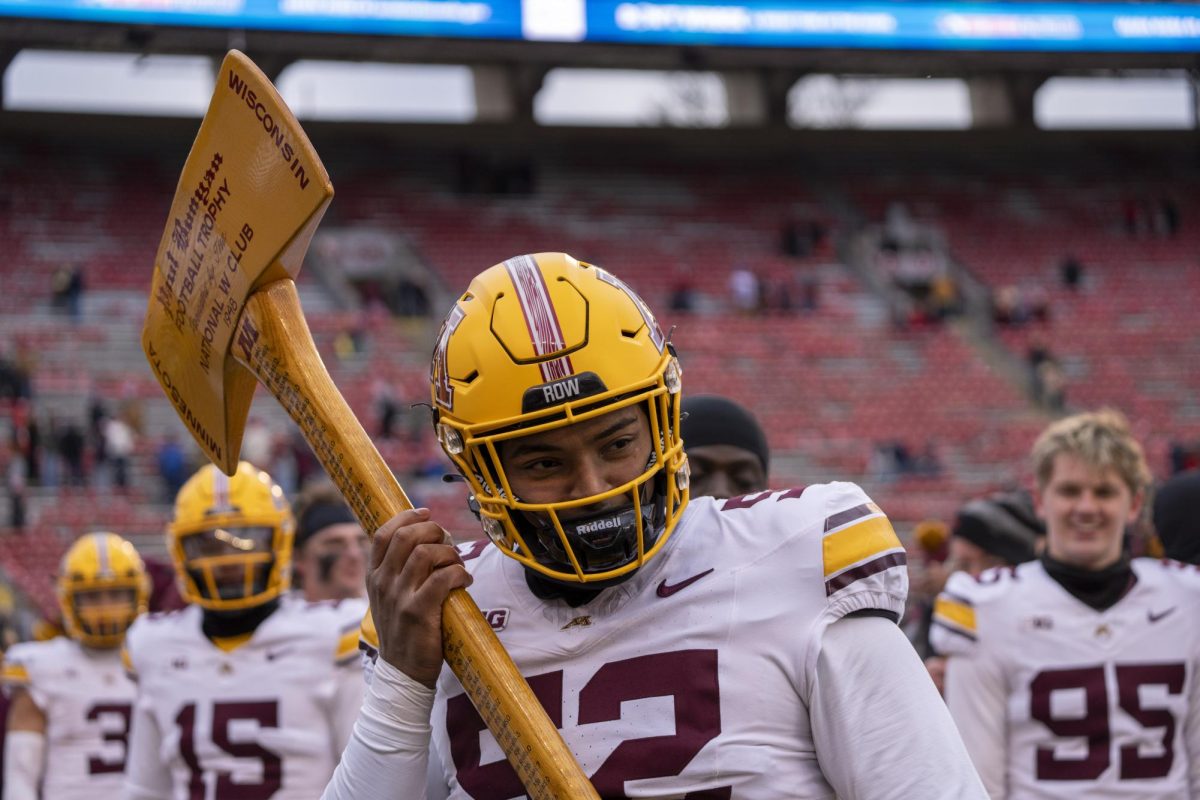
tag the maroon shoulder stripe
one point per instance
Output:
(953, 629)
(957, 598)
(844, 579)
(849, 515)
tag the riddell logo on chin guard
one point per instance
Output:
(596, 526)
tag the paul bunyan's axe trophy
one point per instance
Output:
(224, 315)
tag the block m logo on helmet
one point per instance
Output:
(443, 392)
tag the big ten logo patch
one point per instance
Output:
(497, 618)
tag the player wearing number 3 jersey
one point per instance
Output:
(1075, 676)
(247, 694)
(68, 723)
(739, 649)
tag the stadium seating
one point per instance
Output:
(837, 387)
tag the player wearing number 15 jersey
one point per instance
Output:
(246, 694)
(1076, 676)
(738, 649)
(68, 722)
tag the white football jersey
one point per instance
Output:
(87, 700)
(688, 679)
(267, 719)
(1058, 700)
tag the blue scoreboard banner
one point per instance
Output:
(1010, 26)
(1167, 27)
(491, 19)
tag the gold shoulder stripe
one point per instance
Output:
(368, 633)
(858, 543)
(15, 674)
(956, 613)
(347, 646)
(127, 663)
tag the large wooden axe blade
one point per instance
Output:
(224, 315)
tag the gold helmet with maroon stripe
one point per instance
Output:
(537, 343)
(102, 586)
(231, 539)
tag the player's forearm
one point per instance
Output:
(881, 729)
(24, 757)
(388, 754)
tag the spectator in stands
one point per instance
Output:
(1070, 270)
(726, 447)
(1053, 383)
(744, 290)
(97, 414)
(14, 480)
(331, 547)
(119, 445)
(173, 467)
(387, 409)
(810, 293)
(1177, 516)
(683, 294)
(409, 299)
(67, 285)
(70, 445)
(27, 440)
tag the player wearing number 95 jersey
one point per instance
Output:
(246, 694)
(738, 649)
(1075, 676)
(69, 719)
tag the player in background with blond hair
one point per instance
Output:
(247, 692)
(1075, 675)
(68, 722)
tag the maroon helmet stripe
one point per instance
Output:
(540, 318)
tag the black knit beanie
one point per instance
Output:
(709, 419)
(1177, 516)
(1003, 525)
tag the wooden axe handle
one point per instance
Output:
(273, 341)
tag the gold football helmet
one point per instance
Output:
(231, 539)
(102, 587)
(538, 343)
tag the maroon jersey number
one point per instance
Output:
(688, 677)
(1094, 727)
(266, 714)
(114, 727)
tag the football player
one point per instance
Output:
(68, 722)
(331, 547)
(246, 692)
(726, 448)
(1075, 675)
(705, 649)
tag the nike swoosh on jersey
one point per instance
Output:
(666, 590)
(1150, 615)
